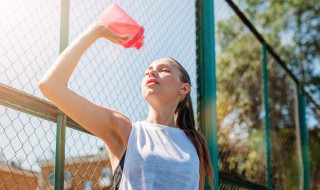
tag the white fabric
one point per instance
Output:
(159, 157)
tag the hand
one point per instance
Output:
(104, 31)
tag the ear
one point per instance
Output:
(185, 88)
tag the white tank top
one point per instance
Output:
(159, 157)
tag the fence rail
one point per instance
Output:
(29, 104)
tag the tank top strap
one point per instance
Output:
(118, 172)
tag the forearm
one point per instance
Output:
(60, 72)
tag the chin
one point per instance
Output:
(149, 93)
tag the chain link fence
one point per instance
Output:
(19, 153)
(286, 160)
(239, 98)
(110, 75)
(291, 28)
(241, 108)
(107, 74)
(29, 37)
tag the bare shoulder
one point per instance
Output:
(122, 125)
(118, 143)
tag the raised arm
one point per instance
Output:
(107, 124)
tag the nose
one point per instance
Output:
(152, 72)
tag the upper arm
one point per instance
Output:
(109, 125)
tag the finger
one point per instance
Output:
(124, 37)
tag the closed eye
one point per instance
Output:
(165, 70)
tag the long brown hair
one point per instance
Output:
(185, 121)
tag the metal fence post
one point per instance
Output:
(64, 25)
(304, 139)
(60, 157)
(207, 108)
(61, 119)
(266, 110)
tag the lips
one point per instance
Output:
(151, 81)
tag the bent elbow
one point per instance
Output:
(50, 89)
(43, 87)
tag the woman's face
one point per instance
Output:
(161, 81)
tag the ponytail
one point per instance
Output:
(185, 121)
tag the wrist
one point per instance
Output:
(96, 29)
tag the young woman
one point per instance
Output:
(165, 151)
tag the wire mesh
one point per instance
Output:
(26, 141)
(110, 75)
(239, 98)
(28, 39)
(29, 36)
(107, 74)
(284, 129)
(313, 124)
(227, 186)
(87, 162)
(291, 29)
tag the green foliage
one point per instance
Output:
(240, 100)
(292, 28)
(314, 147)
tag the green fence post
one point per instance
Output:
(60, 146)
(304, 139)
(207, 108)
(266, 109)
(61, 119)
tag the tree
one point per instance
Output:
(297, 23)
(241, 110)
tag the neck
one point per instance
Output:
(163, 115)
